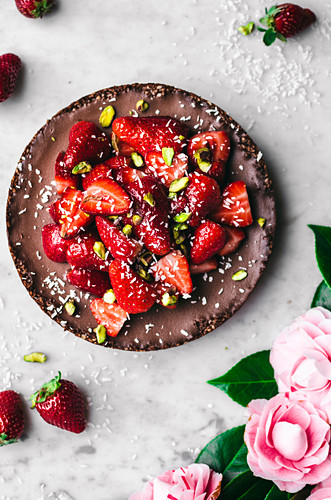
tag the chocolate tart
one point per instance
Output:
(215, 297)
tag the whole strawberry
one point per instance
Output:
(34, 8)
(11, 417)
(60, 403)
(10, 65)
(284, 21)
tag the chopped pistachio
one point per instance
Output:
(149, 199)
(183, 226)
(109, 296)
(101, 333)
(183, 249)
(183, 217)
(202, 157)
(261, 221)
(137, 159)
(178, 185)
(115, 141)
(144, 274)
(181, 137)
(35, 357)
(70, 307)
(146, 258)
(167, 155)
(113, 217)
(169, 300)
(136, 219)
(107, 116)
(176, 231)
(172, 196)
(180, 239)
(82, 168)
(142, 105)
(239, 275)
(99, 249)
(53, 139)
(127, 230)
(246, 30)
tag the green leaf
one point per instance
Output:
(247, 487)
(269, 37)
(276, 494)
(323, 250)
(227, 454)
(251, 378)
(322, 296)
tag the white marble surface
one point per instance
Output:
(150, 412)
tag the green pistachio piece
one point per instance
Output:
(167, 155)
(53, 139)
(136, 219)
(146, 258)
(246, 30)
(99, 249)
(183, 249)
(144, 274)
(239, 275)
(261, 221)
(70, 307)
(181, 138)
(109, 296)
(107, 116)
(202, 157)
(137, 159)
(127, 230)
(169, 300)
(149, 199)
(178, 185)
(35, 357)
(180, 239)
(172, 196)
(113, 217)
(101, 333)
(82, 168)
(183, 217)
(142, 105)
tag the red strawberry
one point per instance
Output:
(111, 316)
(208, 239)
(120, 147)
(132, 293)
(234, 236)
(173, 269)
(167, 295)
(146, 134)
(91, 281)
(60, 403)
(209, 151)
(126, 175)
(178, 204)
(54, 211)
(81, 254)
(166, 174)
(10, 66)
(11, 417)
(234, 209)
(120, 161)
(72, 218)
(55, 247)
(63, 176)
(120, 246)
(105, 197)
(203, 195)
(34, 8)
(208, 265)
(86, 143)
(98, 172)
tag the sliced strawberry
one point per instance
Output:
(105, 197)
(132, 293)
(54, 211)
(86, 143)
(207, 266)
(63, 176)
(146, 134)
(54, 246)
(166, 174)
(120, 147)
(173, 269)
(203, 195)
(208, 239)
(111, 316)
(81, 253)
(91, 281)
(209, 151)
(179, 204)
(120, 246)
(98, 172)
(234, 236)
(72, 218)
(234, 208)
(126, 175)
(120, 161)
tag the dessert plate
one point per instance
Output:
(215, 297)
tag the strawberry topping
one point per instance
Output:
(55, 247)
(173, 269)
(119, 244)
(234, 209)
(105, 197)
(91, 281)
(208, 239)
(111, 316)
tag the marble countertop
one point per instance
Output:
(149, 412)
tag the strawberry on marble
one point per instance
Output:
(34, 9)
(10, 66)
(11, 417)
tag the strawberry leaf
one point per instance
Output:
(269, 37)
(322, 296)
(323, 250)
(251, 378)
(281, 37)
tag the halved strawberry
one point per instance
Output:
(173, 269)
(120, 147)
(207, 266)
(120, 246)
(119, 161)
(54, 246)
(151, 133)
(203, 195)
(166, 174)
(63, 176)
(98, 172)
(72, 218)
(54, 211)
(105, 197)
(234, 236)
(91, 281)
(111, 316)
(81, 253)
(234, 210)
(209, 151)
(132, 293)
(126, 175)
(208, 239)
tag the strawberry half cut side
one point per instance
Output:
(105, 197)
(234, 209)
(89, 280)
(173, 269)
(111, 316)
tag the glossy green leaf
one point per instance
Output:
(246, 487)
(323, 250)
(276, 494)
(322, 296)
(251, 378)
(269, 37)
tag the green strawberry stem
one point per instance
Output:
(46, 390)
(41, 8)
(271, 34)
(4, 440)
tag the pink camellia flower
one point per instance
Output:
(288, 442)
(301, 358)
(195, 482)
(322, 491)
